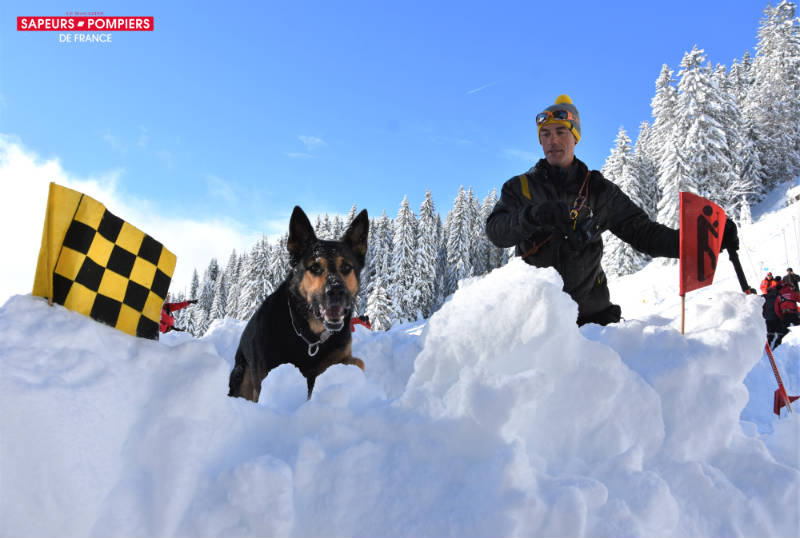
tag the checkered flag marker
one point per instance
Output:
(95, 263)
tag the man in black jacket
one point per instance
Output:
(554, 215)
(792, 279)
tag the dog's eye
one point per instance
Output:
(315, 268)
(345, 268)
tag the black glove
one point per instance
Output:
(550, 213)
(730, 237)
(192, 301)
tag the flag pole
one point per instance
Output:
(49, 224)
(683, 312)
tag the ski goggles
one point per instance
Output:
(564, 115)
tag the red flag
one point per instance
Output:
(701, 227)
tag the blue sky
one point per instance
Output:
(233, 112)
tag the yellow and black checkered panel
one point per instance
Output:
(112, 272)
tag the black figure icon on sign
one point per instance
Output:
(704, 227)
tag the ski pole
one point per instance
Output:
(737, 266)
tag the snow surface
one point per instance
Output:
(496, 417)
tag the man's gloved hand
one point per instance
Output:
(730, 237)
(192, 301)
(550, 213)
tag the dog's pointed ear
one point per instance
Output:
(301, 234)
(357, 234)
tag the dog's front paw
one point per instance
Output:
(355, 362)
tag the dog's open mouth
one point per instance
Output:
(332, 316)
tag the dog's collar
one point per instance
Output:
(313, 347)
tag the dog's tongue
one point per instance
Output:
(334, 312)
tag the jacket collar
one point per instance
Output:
(569, 179)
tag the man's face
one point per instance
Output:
(558, 144)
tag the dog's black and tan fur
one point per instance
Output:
(315, 300)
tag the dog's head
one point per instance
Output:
(326, 273)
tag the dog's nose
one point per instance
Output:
(335, 292)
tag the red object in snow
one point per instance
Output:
(358, 321)
(167, 319)
(781, 398)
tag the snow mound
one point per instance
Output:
(498, 417)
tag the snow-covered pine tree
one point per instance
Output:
(198, 323)
(672, 124)
(252, 275)
(323, 229)
(371, 265)
(207, 285)
(740, 80)
(645, 157)
(379, 306)
(619, 157)
(380, 251)
(206, 297)
(730, 186)
(773, 102)
(745, 217)
(440, 285)
(747, 167)
(425, 257)
(337, 227)
(234, 284)
(404, 267)
(487, 256)
(350, 216)
(366, 273)
(665, 116)
(279, 263)
(475, 250)
(619, 258)
(459, 228)
(672, 179)
(705, 143)
(188, 320)
(220, 299)
(195, 285)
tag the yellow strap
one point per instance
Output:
(523, 179)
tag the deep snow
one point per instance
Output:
(496, 417)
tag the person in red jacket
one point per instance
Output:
(363, 320)
(786, 304)
(767, 283)
(167, 319)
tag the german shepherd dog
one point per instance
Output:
(306, 321)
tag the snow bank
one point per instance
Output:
(498, 417)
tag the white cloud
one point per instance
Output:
(219, 188)
(312, 142)
(481, 88)
(114, 141)
(24, 179)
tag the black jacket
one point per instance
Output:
(793, 279)
(575, 256)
